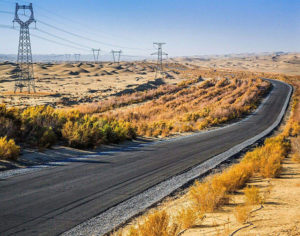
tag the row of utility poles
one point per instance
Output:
(24, 72)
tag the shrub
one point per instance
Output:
(83, 133)
(242, 214)
(43, 126)
(234, 177)
(252, 195)
(188, 217)
(155, 224)
(8, 149)
(296, 149)
(90, 131)
(193, 107)
(296, 157)
(206, 196)
(48, 138)
(266, 160)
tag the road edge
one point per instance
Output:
(105, 222)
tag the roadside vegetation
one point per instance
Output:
(43, 126)
(215, 191)
(8, 149)
(194, 107)
(169, 109)
(127, 99)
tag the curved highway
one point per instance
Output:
(56, 199)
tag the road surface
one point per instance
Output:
(56, 199)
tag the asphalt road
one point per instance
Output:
(56, 199)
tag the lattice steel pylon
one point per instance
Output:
(67, 58)
(77, 57)
(116, 56)
(160, 54)
(24, 76)
(96, 52)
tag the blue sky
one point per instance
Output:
(189, 27)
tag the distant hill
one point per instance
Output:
(68, 57)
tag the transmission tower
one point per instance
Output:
(67, 58)
(24, 74)
(160, 54)
(96, 53)
(116, 56)
(77, 57)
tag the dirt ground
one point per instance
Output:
(280, 214)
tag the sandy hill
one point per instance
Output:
(68, 84)
(286, 63)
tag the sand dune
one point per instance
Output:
(69, 84)
(73, 83)
(286, 63)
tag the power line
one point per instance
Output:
(86, 38)
(58, 43)
(61, 38)
(82, 37)
(46, 39)
(6, 26)
(78, 46)
(7, 12)
(85, 27)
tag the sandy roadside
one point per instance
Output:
(280, 214)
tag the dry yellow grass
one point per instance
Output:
(155, 224)
(8, 149)
(242, 213)
(206, 196)
(212, 102)
(252, 195)
(188, 217)
(296, 149)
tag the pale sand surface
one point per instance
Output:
(68, 84)
(280, 214)
(275, 63)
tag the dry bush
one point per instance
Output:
(206, 197)
(266, 160)
(89, 131)
(128, 99)
(194, 107)
(242, 213)
(155, 224)
(43, 126)
(188, 217)
(252, 195)
(296, 157)
(296, 149)
(8, 149)
(234, 177)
